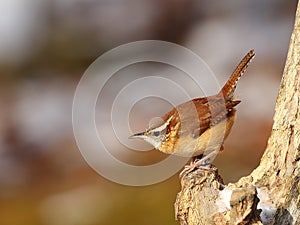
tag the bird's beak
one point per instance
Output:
(138, 135)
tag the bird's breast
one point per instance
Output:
(189, 145)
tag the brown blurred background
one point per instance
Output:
(46, 46)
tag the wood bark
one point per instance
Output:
(271, 193)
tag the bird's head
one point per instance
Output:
(155, 135)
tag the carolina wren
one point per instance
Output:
(199, 126)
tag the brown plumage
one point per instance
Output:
(229, 87)
(201, 124)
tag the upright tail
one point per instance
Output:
(228, 89)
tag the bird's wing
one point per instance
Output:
(198, 115)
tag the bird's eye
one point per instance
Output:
(156, 133)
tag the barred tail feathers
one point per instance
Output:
(228, 89)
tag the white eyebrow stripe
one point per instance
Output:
(162, 127)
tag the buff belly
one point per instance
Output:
(211, 140)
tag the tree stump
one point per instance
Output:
(271, 193)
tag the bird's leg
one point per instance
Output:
(202, 163)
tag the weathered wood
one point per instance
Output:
(274, 186)
(204, 199)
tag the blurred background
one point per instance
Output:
(46, 46)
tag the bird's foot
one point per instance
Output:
(198, 163)
(203, 164)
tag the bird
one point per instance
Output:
(198, 128)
